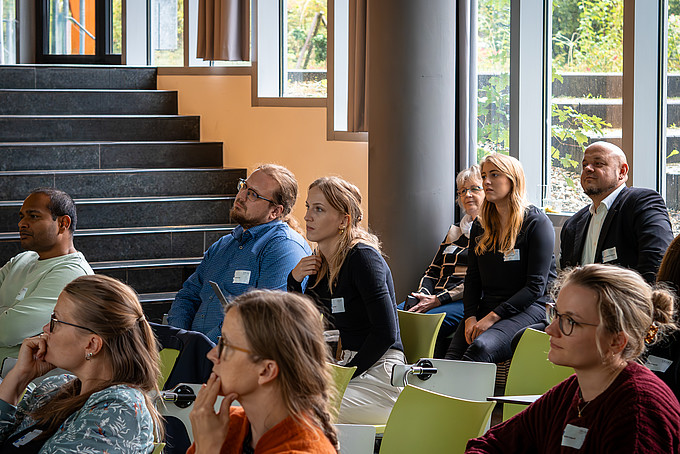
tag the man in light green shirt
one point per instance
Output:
(31, 281)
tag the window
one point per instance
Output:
(167, 32)
(672, 158)
(8, 34)
(493, 75)
(587, 78)
(291, 48)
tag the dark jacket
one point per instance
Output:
(637, 225)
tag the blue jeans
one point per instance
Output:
(494, 344)
(454, 314)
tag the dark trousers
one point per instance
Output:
(494, 344)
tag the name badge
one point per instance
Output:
(574, 436)
(27, 438)
(337, 305)
(656, 364)
(241, 277)
(450, 249)
(22, 294)
(511, 256)
(609, 255)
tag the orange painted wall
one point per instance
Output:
(294, 137)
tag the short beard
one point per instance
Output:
(597, 191)
(238, 218)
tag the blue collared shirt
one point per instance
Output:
(260, 257)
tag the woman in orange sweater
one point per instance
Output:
(272, 358)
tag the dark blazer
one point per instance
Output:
(637, 225)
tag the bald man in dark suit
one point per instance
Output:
(622, 226)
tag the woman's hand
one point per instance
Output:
(479, 327)
(210, 428)
(308, 265)
(425, 302)
(30, 365)
(469, 327)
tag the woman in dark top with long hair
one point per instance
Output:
(510, 265)
(352, 283)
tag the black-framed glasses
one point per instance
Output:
(54, 321)
(251, 194)
(224, 346)
(552, 314)
(473, 190)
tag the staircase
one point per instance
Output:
(151, 197)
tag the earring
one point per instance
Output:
(342, 231)
(88, 356)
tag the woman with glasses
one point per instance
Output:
(272, 358)
(510, 265)
(441, 288)
(352, 284)
(99, 334)
(600, 325)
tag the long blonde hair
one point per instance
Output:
(286, 328)
(497, 236)
(344, 197)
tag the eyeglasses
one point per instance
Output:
(552, 314)
(250, 194)
(473, 190)
(224, 346)
(54, 321)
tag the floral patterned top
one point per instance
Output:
(114, 420)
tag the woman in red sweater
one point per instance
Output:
(603, 317)
(272, 358)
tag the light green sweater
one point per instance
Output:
(28, 292)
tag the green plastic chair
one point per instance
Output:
(530, 370)
(341, 377)
(168, 359)
(419, 334)
(158, 448)
(424, 421)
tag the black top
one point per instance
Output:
(508, 284)
(365, 307)
(637, 229)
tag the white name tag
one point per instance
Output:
(22, 294)
(574, 436)
(241, 277)
(656, 364)
(27, 438)
(337, 305)
(609, 255)
(450, 249)
(511, 256)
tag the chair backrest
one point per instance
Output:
(419, 333)
(158, 448)
(168, 360)
(341, 377)
(462, 379)
(424, 421)
(356, 438)
(530, 370)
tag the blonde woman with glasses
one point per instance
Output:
(600, 325)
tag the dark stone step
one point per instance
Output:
(133, 243)
(109, 155)
(155, 309)
(136, 212)
(77, 76)
(82, 184)
(88, 102)
(150, 276)
(52, 128)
